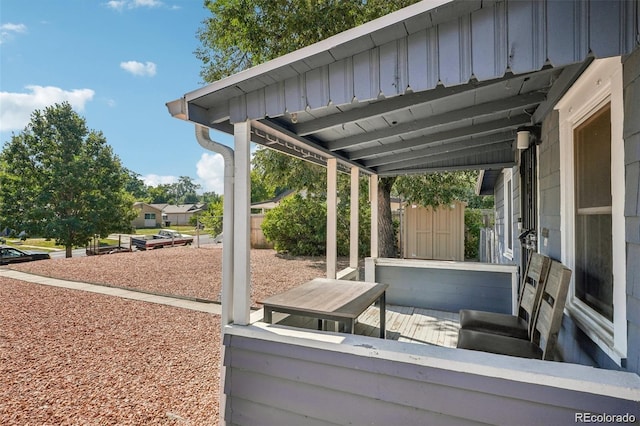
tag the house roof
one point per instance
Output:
(273, 202)
(141, 204)
(181, 208)
(487, 181)
(434, 86)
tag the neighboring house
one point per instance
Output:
(159, 215)
(447, 86)
(180, 214)
(261, 207)
(149, 215)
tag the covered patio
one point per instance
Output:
(440, 85)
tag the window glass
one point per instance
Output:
(593, 222)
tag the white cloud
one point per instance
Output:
(16, 109)
(155, 180)
(139, 68)
(119, 5)
(210, 170)
(8, 30)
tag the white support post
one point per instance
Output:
(242, 223)
(354, 222)
(373, 197)
(332, 218)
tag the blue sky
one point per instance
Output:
(117, 63)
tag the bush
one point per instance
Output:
(473, 224)
(299, 225)
(212, 217)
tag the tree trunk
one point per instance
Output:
(386, 236)
(68, 250)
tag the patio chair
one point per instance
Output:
(547, 323)
(518, 326)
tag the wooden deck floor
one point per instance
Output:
(404, 323)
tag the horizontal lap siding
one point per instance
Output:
(446, 289)
(278, 383)
(631, 82)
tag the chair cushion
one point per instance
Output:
(494, 343)
(491, 322)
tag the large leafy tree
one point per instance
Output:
(241, 33)
(135, 186)
(60, 180)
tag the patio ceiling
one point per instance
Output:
(435, 86)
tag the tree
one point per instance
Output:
(62, 181)
(211, 218)
(241, 34)
(160, 194)
(185, 191)
(135, 186)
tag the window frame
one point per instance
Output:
(600, 84)
(508, 214)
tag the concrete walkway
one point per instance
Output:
(212, 308)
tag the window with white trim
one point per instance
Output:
(592, 204)
(508, 214)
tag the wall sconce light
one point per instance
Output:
(527, 135)
(523, 139)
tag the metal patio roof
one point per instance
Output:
(434, 86)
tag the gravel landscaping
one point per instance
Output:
(69, 357)
(182, 271)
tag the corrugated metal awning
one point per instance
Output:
(435, 86)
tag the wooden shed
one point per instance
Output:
(437, 234)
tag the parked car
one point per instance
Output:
(10, 254)
(164, 238)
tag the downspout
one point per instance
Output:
(204, 139)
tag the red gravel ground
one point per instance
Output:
(73, 358)
(184, 271)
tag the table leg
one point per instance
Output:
(383, 315)
(268, 315)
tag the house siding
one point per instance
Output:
(500, 219)
(549, 187)
(271, 380)
(573, 345)
(631, 134)
(447, 286)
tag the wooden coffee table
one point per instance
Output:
(327, 299)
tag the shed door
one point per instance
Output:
(434, 234)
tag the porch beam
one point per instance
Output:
(434, 139)
(373, 198)
(480, 165)
(354, 221)
(516, 103)
(566, 79)
(242, 223)
(332, 217)
(408, 100)
(442, 148)
(475, 151)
